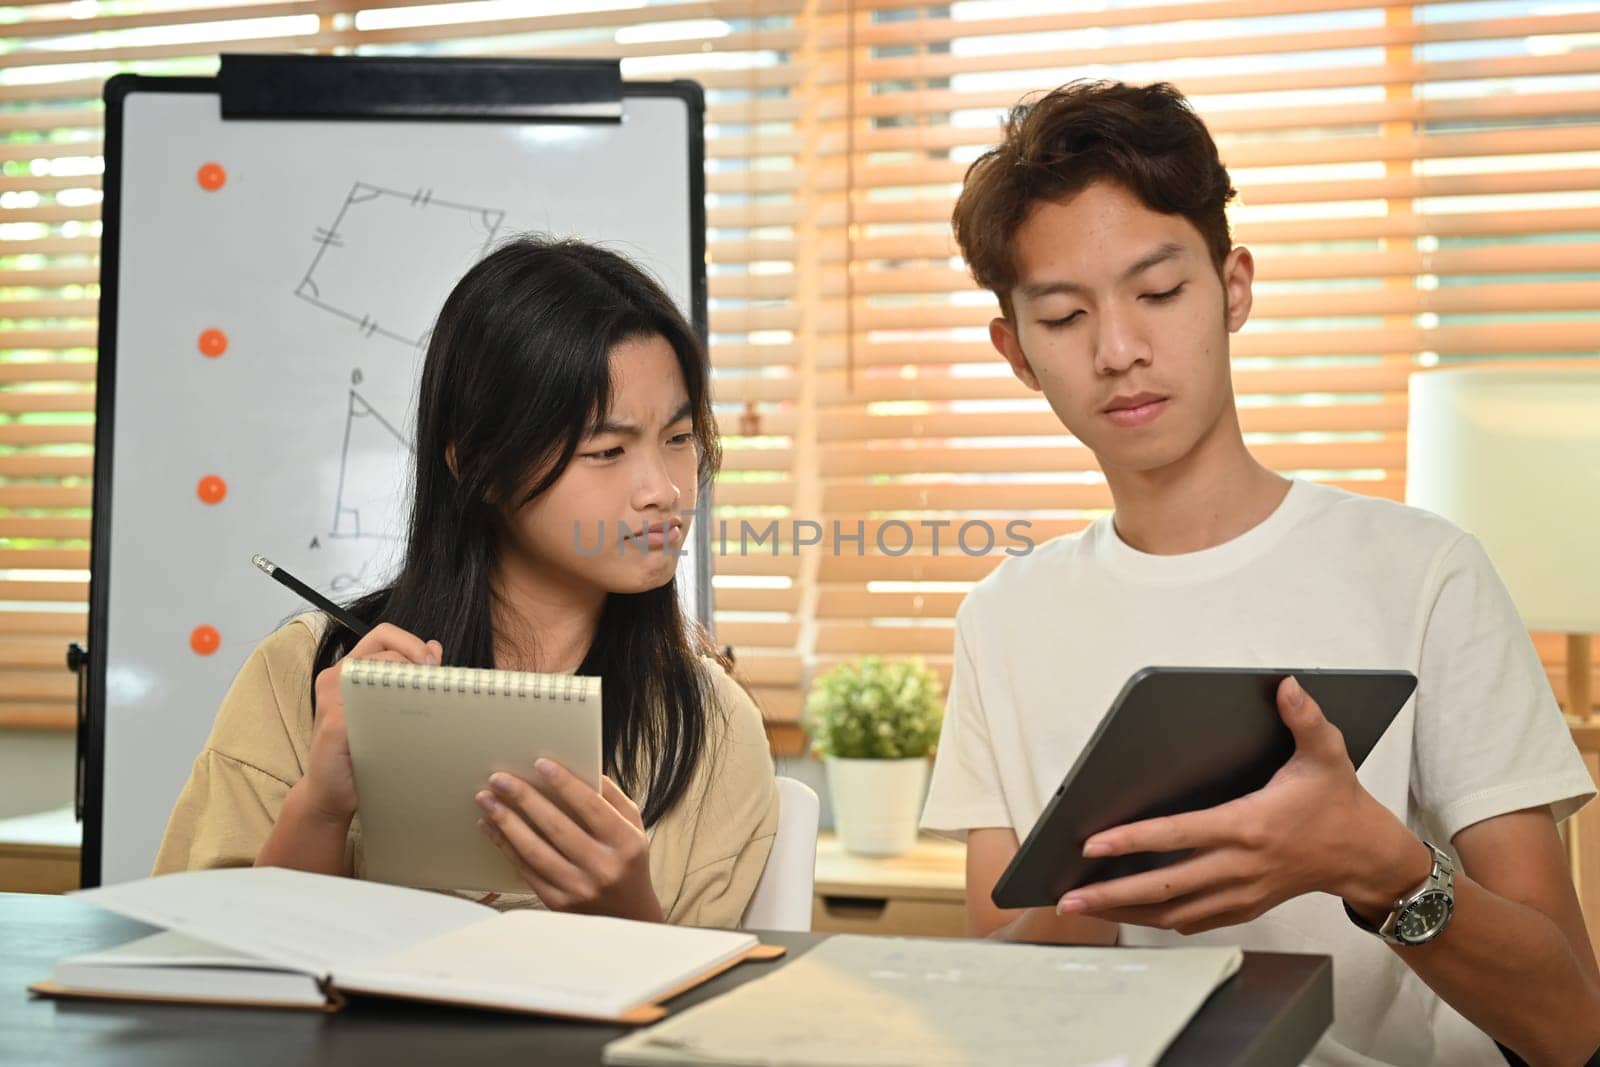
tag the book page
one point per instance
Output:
(538, 960)
(311, 922)
(874, 1002)
(172, 949)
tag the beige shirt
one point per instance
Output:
(706, 853)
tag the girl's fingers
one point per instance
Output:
(619, 800)
(547, 818)
(547, 892)
(532, 846)
(593, 813)
(386, 637)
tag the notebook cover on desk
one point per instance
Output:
(55, 990)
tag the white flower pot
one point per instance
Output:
(876, 803)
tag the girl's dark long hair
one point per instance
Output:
(517, 373)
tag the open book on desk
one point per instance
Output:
(277, 937)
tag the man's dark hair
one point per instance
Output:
(1145, 138)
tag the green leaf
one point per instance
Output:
(871, 708)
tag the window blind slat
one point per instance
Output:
(44, 559)
(927, 31)
(933, 384)
(837, 101)
(1391, 35)
(1513, 297)
(1380, 415)
(1563, 258)
(854, 461)
(1254, 343)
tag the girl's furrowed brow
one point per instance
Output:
(628, 429)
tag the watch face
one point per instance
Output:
(1424, 917)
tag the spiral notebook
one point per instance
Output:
(424, 741)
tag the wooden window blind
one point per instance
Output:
(55, 59)
(1420, 183)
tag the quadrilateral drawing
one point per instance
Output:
(389, 258)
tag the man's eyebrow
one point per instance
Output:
(1160, 254)
(628, 429)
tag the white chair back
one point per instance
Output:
(782, 899)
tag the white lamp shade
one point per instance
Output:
(1512, 454)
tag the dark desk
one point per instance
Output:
(1270, 1013)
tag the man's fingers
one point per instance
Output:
(1211, 911)
(1199, 913)
(1191, 915)
(1203, 873)
(1169, 833)
(1301, 713)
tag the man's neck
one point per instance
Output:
(1213, 495)
(540, 623)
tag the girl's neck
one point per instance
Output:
(541, 623)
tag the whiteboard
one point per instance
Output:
(315, 259)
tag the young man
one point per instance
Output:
(1099, 225)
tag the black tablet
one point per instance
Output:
(1181, 739)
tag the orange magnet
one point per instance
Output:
(205, 640)
(211, 489)
(212, 177)
(213, 343)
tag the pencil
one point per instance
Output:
(311, 596)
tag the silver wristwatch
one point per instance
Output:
(1422, 914)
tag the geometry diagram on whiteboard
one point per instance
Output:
(389, 259)
(373, 469)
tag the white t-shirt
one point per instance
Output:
(1330, 579)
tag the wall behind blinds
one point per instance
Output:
(1419, 183)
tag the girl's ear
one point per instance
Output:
(450, 460)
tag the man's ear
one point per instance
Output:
(1238, 271)
(1003, 335)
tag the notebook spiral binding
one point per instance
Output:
(478, 681)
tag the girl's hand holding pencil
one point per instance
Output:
(309, 834)
(328, 789)
(329, 782)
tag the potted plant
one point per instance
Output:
(874, 722)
